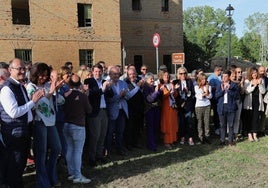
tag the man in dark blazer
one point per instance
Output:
(226, 94)
(135, 122)
(98, 119)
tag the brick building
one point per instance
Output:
(86, 31)
(56, 31)
(140, 19)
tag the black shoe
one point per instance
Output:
(129, 148)
(57, 185)
(137, 146)
(206, 140)
(121, 152)
(222, 143)
(200, 141)
(102, 160)
(92, 163)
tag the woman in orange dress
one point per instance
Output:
(169, 114)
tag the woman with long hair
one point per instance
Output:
(202, 107)
(45, 132)
(253, 102)
(169, 117)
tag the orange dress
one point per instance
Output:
(169, 118)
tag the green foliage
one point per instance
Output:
(204, 26)
(250, 45)
(206, 36)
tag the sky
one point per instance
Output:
(243, 9)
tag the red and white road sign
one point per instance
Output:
(156, 40)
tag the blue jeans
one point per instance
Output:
(116, 126)
(46, 170)
(75, 139)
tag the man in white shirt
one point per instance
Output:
(15, 109)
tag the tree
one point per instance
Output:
(222, 47)
(250, 45)
(194, 55)
(204, 26)
(257, 25)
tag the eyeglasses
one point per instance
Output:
(19, 68)
(182, 73)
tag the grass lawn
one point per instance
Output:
(243, 165)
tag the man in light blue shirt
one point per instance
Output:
(214, 80)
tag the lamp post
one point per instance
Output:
(229, 12)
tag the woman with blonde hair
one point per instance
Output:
(202, 107)
(185, 102)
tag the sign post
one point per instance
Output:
(156, 42)
(178, 59)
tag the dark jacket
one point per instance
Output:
(17, 127)
(232, 96)
(136, 102)
(187, 104)
(95, 95)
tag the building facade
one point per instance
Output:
(56, 31)
(87, 31)
(140, 19)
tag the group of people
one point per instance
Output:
(96, 112)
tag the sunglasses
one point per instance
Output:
(182, 73)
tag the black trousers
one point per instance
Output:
(13, 160)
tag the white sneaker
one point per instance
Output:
(71, 177)
(191, 142)
(82, 179)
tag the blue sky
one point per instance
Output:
(243, 9)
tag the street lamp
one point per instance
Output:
(229, 12)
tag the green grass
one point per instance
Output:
(243, 165)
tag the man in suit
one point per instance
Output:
(117, 110)
(136, 112)
(226, 94)
(15, 109)
(98, 119)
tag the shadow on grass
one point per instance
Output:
(146, 162)
(137, 162)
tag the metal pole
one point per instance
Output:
(229, 44)
(157, 63)
(124, 56)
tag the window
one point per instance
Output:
(84, 15)
(20, 12)
(136, 5)
(165, 5)
(86, 57)
(25, 55)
